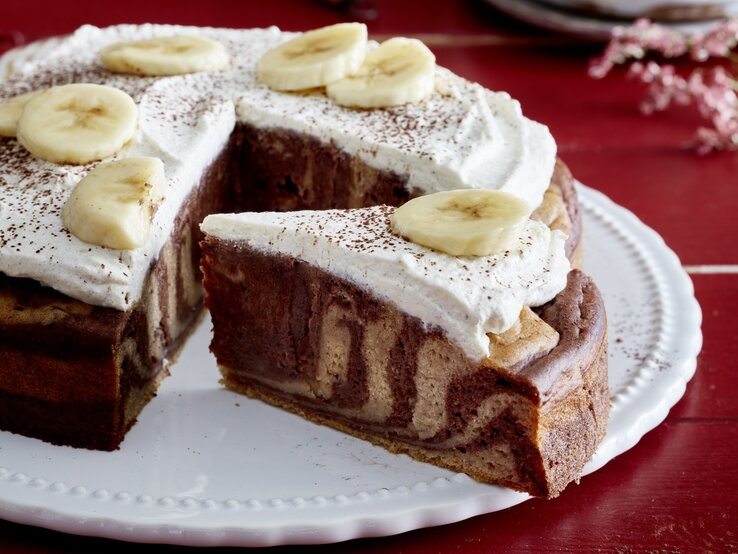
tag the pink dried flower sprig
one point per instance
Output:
(717, 42)
(711, 90)
(635, 42)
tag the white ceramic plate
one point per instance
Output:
(205, 466)
(581, 24)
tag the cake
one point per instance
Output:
(494, 366)
(87, 331)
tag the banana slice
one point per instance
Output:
(315, 58)
(165, 56)
(114, 205)
(77, 124)
(11, 110)
(399, 71)
(468, 222)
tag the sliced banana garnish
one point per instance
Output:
(165, 56)
(114, 205)
(77, 124)
(399, 71)
(468, 222)
(315, 58)
(11, 110)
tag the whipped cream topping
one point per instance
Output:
(466, 297)
(462, 136)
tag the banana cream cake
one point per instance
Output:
(119, 142)
(470, 347)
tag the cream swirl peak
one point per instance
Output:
(463, 136)
(466, 297)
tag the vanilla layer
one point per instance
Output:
(463, 136)
(466, 297)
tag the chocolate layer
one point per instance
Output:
(282, 170)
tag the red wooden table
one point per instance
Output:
(677, 490)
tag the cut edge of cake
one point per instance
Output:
(551, 396)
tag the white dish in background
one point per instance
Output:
(13, 59)
(642, 8)
(584, 25)
(204, 466)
